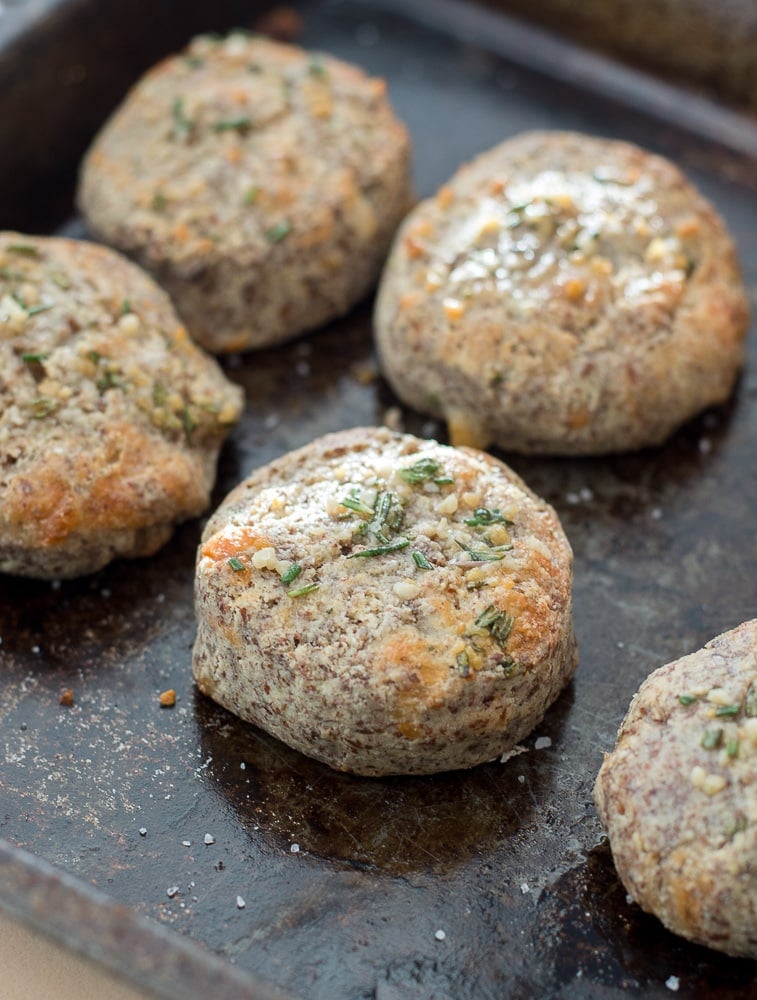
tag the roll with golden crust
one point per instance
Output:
(678, 794)
(385, 604)
(563, 294)
(111, 419)
(261, 185)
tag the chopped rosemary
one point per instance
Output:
(463, 664)
(125, 307)
(43, 407)
(109, 379)
(194, 62)
(381, 550)
(727, 710)
(41, 308)
(712, 739)
(251, 195)
(159, 201)
(353, 502)
(421, 561)
(387, 516)
(738, 826)
(233, 124)
(316, 68)
(291, 574)
(188, 422)
(159, 394)
(23, 249)
(61, 280)
(383, 518)
(687, 699)
(493, 554)
(483, 516)
(236, 564)
(423, 470)
(302, 591)
(732, 748)
(34, 359)
(278, 232)
(182, 124)
(498, 624)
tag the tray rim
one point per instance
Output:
(87, 921)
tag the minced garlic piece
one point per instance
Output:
(471, 499)
(333, 507)
(406, 590)
(499, 535)
(129, 323)
(719, 696)
(748, 729)
(265, 558)
(448, 504)
(490, 227)
(563, 200)
(12, 316)
(601, 266)
(707, 782)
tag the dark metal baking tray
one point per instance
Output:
(347, 881)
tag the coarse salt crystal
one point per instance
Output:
(240, 903)
(171, 891)
(186, 843)
(209, 839)
(672, 983)
(524, 888)
(542, 742)
(142, 831)
(294, 848)
(440, 935)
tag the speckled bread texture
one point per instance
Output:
(430, 626)
(111, 419)
(261, 184)
(563, 294)
(678, 795)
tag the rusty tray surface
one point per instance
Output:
(185, 814)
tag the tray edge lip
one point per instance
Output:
(85, 920)
(536, 48)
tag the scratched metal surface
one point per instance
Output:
(346, 881)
